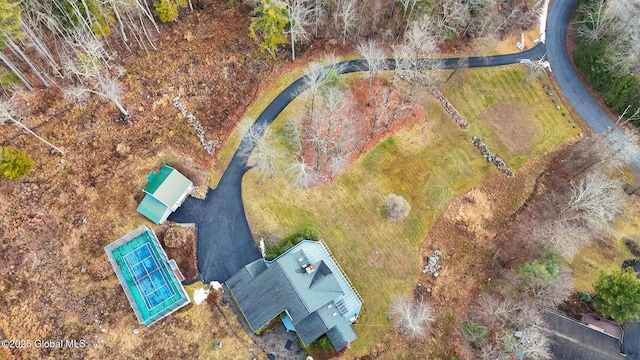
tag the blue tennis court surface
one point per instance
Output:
(147, 274)
(142, 267)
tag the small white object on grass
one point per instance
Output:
(215, 285)
(200, 295)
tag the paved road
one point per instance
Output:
(563, 71)
(632, 340)
(225, 243)
(565, 74)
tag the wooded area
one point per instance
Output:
(609, 51)
(80, 46)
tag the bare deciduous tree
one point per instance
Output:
(316, 74)
(318, 15)
(420, 37)
(412, 318)
(6, 114)
(594, 23)
(493, 311)
(375, 56)
(450, 18)
(546, 292)
(303, 175)
(407, 7)
(492, 351)
(564, 236)
(534, 343)
(396, 207)
(346, 12)
(266, 155)
(299, 17)
(251, 132)
(596, 200)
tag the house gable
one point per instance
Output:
(165, 192)
(307, 285)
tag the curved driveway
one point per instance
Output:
(563, 71)
(565, 74)
(225, 243)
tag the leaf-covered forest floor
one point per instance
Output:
(55, 280)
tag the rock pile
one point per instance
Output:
(191, 119)
(433, 264)
(455, 115)
(491, 157)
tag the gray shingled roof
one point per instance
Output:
(318, 301)
(574, 340)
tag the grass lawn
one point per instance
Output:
(428, 164)
(606, 255)
(523, 120)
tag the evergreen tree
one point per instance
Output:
(269, 23)
(167, 10)
(618, 295)
(9, 22)
(14, 164)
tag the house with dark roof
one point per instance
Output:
(305, 284)
(572, 340)
(166, 191)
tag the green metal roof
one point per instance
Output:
(153, 209)
(155, 180)
(168, 186)
(165, 192)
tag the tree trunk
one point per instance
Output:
(42, 49)
(369, 91)
(293, 46)
(120, 24)
(36, 135)
(16, 71)
(16, 50)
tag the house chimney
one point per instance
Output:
(310, 268)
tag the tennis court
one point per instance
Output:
(146, 276)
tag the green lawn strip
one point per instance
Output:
(607, 255)
(255, 109)
(428, 164)
(477, 90)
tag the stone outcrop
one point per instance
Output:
(191, 119)
(491, 157)
(433, 264)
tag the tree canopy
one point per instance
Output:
(14, 164)
(618, 295)
(268, 25)
(9, 21)
(167, 10)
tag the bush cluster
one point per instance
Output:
(14, 164)
(308, 233)
(617, 89)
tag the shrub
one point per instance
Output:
(308, 233)
(396, 207)
(411, 318)
(14, 164)
(475, 334)
(324, 344)
(633, 247)
(167, 10)
(618, 295)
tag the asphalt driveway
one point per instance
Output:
(225, 243)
